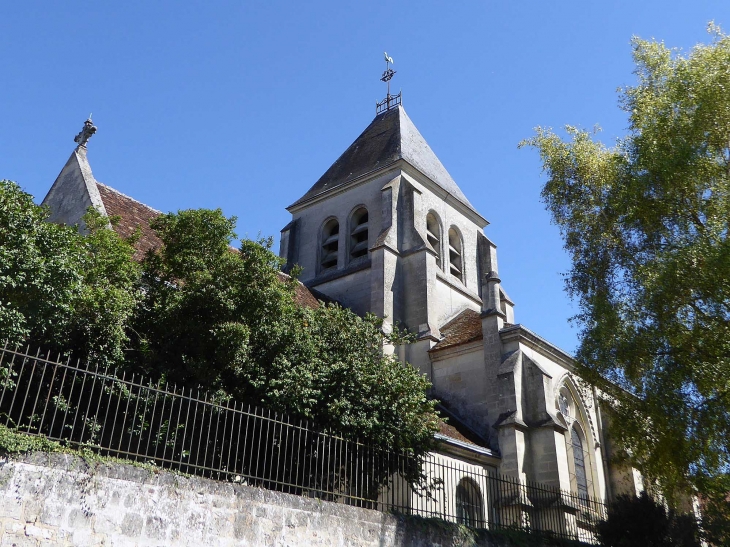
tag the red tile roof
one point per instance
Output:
(133, 215)
(450, 431)
(465, 327)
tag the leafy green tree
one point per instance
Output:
(646, 226)
(642, 522)
(227, 319)
(59, 289)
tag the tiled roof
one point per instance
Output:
(465, 327)
(304, 296)
(132, 215)
(450, 431)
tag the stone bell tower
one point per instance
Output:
(386, 230)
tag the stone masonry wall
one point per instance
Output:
(63, 500)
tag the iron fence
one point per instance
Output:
(191, 431)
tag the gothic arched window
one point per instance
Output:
(359, 233)
(577, 443)
(433, 234)
(469, 509)
(456, 264)
(330, 245)
(579, 463)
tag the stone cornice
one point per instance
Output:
(336, 274)
(413, 173)
(525, 336)
(457, 349)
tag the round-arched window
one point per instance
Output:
(469, 503)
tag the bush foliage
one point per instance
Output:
(200, 312)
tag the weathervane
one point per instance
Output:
(390, 101)
(86, 133)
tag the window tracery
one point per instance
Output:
(579, 458)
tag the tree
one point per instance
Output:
(642, 522)
(61, 290)
(646, 227)
(227, 319)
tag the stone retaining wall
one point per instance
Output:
(60, 499)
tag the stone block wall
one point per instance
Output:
(63, 500)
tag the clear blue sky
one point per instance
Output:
(243, 105)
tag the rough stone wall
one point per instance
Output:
(63, 500)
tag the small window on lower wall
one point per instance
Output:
(469, 509)
(359, 233)
(330, 245)
(456, 263)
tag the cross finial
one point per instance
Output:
(86, 132)
(390, 100)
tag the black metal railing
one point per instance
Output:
(123, 415)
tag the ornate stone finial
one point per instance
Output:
(83, 137)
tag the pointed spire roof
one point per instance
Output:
(390, 137)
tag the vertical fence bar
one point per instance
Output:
(15, 391)
(35, 403)
(27, 391)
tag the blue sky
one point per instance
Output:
(243, 105)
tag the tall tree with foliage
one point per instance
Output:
(227, 319)
(646, 226)
(61, 290)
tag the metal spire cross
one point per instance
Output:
(390, 101)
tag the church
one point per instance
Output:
(387, 230)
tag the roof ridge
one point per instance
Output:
(128, 197)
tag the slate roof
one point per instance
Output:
(132, 215)
(389, 137)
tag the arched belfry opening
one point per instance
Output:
(433, 234)
(456, 261)
(330, 245)
(359, 233)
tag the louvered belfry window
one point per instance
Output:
(455, 255)
(433, 233)
(330, 245)
(359, 233)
